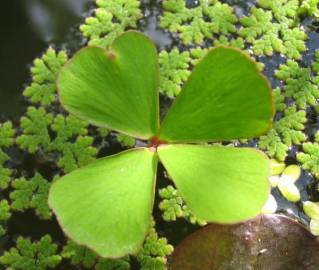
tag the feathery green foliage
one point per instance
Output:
(26, 255)
(174, 71)
(44, 74)
(111, 18)
(113, 264)
(6, 140)
(79, 255)
(154, 252)
(6, 134)
(225, 41)
(35, 130)
(198, 53)
(279, 100)
(152, 256)
(259, 30)
(267, 35)
(173, 206)
(285, 132)
(5, 176)
(310, 156)
(66, 128)
(73, 147)
(299, 83)
(77, 154)
(31, 194)
(309, 7)
(82, 256)
(5, 215)
(282, 9)
(125, 140)
(195, 24)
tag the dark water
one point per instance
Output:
(28, 27)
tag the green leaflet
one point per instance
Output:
(107, 205)
(219, 184)
(102, 87)
(215, 105)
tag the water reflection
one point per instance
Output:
(51, 19)
(26, 28)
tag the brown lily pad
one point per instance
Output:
(268, 242)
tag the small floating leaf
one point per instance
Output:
(115, 88)
(276, 167)
(291, 173)
(289, 190)
(225, 98)
(311, 209)
(107, 205)
(221, 184)
(267, 242)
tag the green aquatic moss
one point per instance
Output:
(309, 157)
(31, 194)
(201, 22)
(309, 8)
(125, 140)
(152, 256)
(5, 214)
(282, 9)
(173, 207)
(70, 142)
(267, 36)
(29, 255)
(44, 74)
(7, 134)
(286, 132)
(174, 71)
(154, 252)
(110, 19)
(299, 83)
(279, 100)
(35, 130)
(82, 256)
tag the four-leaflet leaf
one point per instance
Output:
(107, 205)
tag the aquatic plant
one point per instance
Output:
(309, 157)
(32, 193)
(5, 215)
(118, 88)
(101, 29)
(6, 140)
(40, 255)
(111, 19)
(44, 74)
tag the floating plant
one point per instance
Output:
(280, 35)
(225, 98)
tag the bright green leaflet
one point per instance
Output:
(107, 205)
(225, 98)
(219, 184)
(102, 86)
